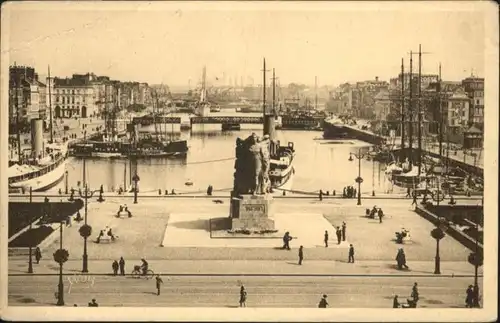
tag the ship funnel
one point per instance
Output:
(36, 138)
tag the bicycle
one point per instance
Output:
(138, 273)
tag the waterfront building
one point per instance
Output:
(75, 96)
(474, 87)
(30, 92)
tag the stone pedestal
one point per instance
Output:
(252, 212)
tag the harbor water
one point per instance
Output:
(319, 164)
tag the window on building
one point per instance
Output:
(73, 92)
(73, 99)
(57, 98)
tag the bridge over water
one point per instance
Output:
(288, 122)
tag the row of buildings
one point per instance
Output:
(82, 95)
(457, 107)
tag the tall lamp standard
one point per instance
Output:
(438, 233)
(85, 230)
(358, 179)
(30, 260)
(60, 256)
(476, 259)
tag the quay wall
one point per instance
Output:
(452, 231)
(375, 139)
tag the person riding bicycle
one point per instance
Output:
(144, 266)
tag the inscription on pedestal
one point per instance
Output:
(252, 213)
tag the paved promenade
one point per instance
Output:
(209, 275)
(142, 235)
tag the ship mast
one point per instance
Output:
(316, 93)
(268, 116)
(402, 110)
(410, 124)
(50, 110)
(419, 109)
(440, 117)
(17, 79)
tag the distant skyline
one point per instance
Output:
(171, 45)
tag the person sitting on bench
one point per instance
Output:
(101, 234)
(110, 234)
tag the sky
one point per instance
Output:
(171, 44)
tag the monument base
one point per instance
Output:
(252, 213)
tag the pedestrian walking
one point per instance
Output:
(380, 214)
(38, 255)
(339, 235)
(323, 303)
(115, 267)
(321, 195)
(243, 297)
(414, 293)
(476, 296)
(301, 254)
(395, 302)
(469, 298)
(344, 227)
(326, 239)
(122, 266)
(351, 254)
(286, 240)
(414, 198)
(401, 259)
(408, 191)
(159, 281)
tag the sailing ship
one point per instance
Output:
(281, 157)
(132, 143)
(44, 165)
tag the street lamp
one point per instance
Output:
(66, 182)
(135, 179)
(476, 259)
(60, 256)
(358, 179)
(438, 233)
(30, 261)
(373, 177)
(85, 230)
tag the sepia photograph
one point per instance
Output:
(249, 161)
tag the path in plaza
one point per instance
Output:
(209, 291)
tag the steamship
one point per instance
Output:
(281, 157)
(41, 169)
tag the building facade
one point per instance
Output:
(75, 97)
(27, 95)
(474, 87)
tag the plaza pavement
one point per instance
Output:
(142, 235)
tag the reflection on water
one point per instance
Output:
(319, 164)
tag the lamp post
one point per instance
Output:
(476, 259)
(85, 230)
(60, 256)
(358, 179)
(373, 177)
(66, 182)
(135, 179)
(438, 234)
(30, 260)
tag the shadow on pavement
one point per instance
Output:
(193, 225)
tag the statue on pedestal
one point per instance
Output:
(251, 166)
